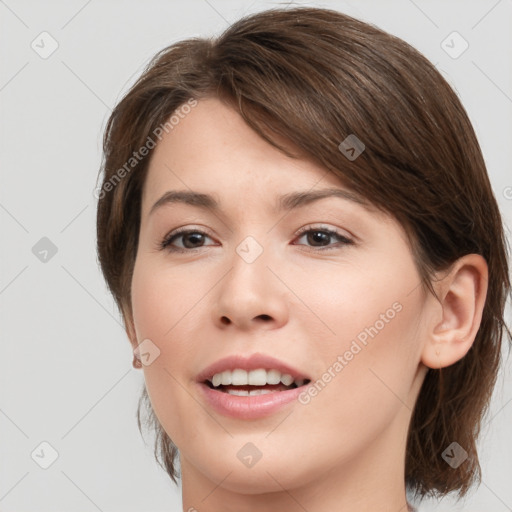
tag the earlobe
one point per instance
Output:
(462, 294)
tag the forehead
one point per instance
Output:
(213, 150)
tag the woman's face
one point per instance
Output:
(339, 304)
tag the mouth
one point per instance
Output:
(250, 387)
(260, 381)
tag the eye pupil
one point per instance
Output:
(198, 238)
(319, 236)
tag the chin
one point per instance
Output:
(265, 476)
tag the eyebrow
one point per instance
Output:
(285, 202)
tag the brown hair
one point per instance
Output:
(313, 77)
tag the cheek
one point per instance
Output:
(161, 298)
(370, 355)
(366, 302)
(370, 366)
(166, 305)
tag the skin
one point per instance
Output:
(345, 449)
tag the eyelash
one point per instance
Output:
(165, 243)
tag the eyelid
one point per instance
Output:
(324, 227)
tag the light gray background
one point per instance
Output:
(66, 375)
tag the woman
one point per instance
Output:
(297, 225)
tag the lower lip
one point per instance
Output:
(248, 407)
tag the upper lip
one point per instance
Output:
(251, 362)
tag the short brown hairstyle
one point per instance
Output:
(313, 77)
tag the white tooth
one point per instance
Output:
(273, 377)
(260, 392)
(226, 378)
(257, 377)
(239, 378)
(286, 379)
(217, 379)
(238, 392)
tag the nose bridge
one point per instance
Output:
(250, 291)
(249, 274)
(250, 250)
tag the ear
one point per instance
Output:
(453, 328)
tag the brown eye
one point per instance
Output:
(319, 238)
(191, 239)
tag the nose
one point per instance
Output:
(250, 296)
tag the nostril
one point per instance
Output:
(265, 317)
